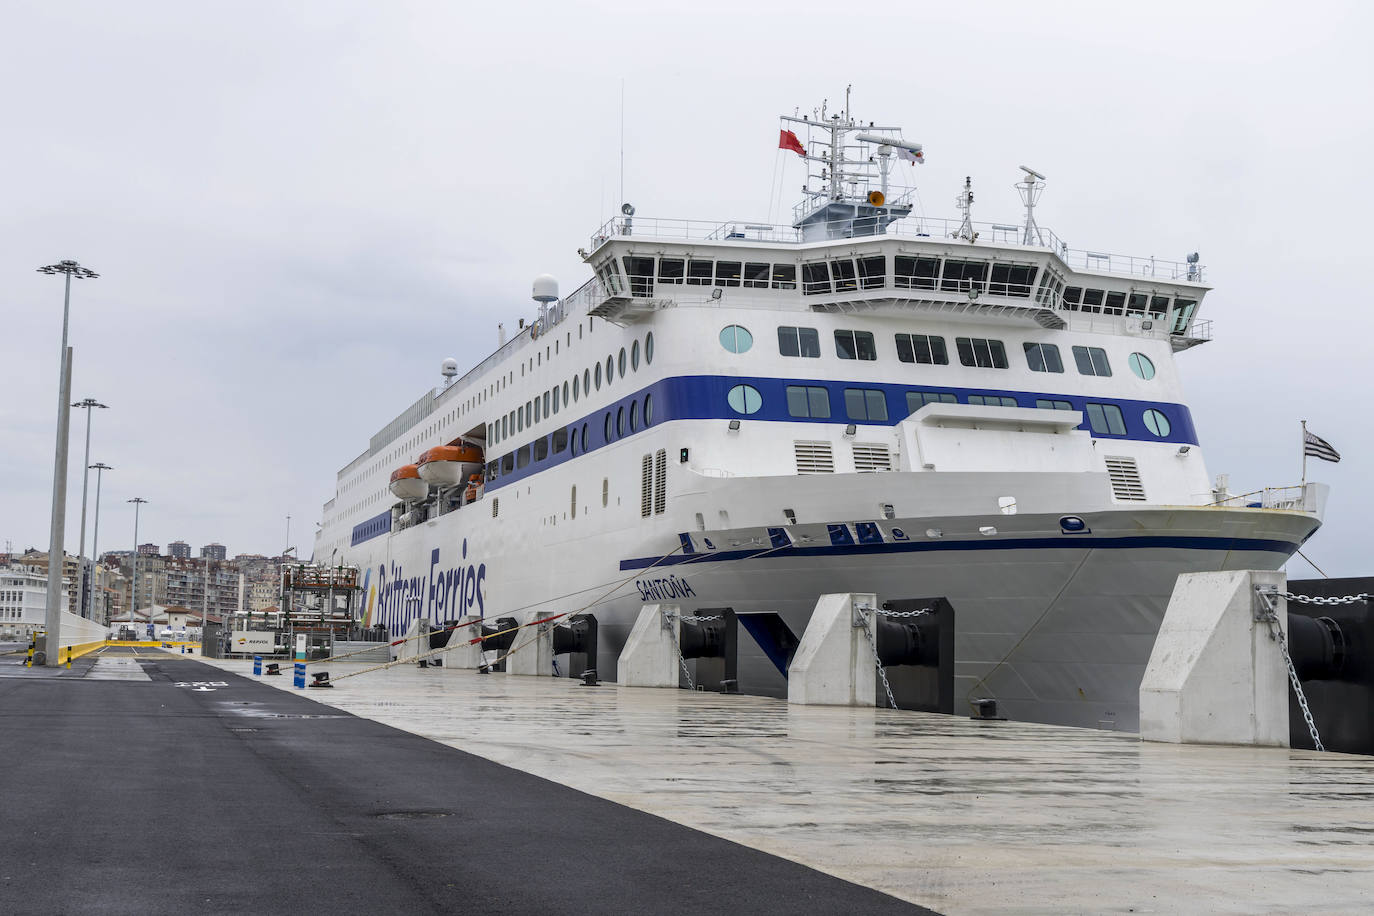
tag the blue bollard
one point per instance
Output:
(257, 665)
(300, 675)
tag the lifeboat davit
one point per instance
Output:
(450, 465)
(407, 485)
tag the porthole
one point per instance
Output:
(648, 410)
(621, 365)
(577, 384)
(736, 339)
(649, 348)
(597, 377)
(606, 426)
(744, 399)
(584, 437)
(620, 422)
(572, 443)
(587, 381)
(634, 356)
(1142, 366)
(610, 369)
(1157, 423)
(565, 394)
(634, 416)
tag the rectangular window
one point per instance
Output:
(522, 456)
(1043, 357)
(784, 276)
(699, 272)
(1183, 313)
(843, 274)
(991, 400)
(728, 273)
(1072, 296)
(981, 352)
(1092, 361)
(799, 342)
(865, 404)
(815, 278)
(1048, 404)
(1159, 306)
(560, 440)
(541, 448)
(915, 400)
(546, 404)
(507, 462)
(915, 273)
(872, 272)
(1106, 418)
(756, 276)
(1116, 303)
(671, 270)
(1012, 280)
(808, 401)
(1092, 300)
(855, 345)
(922, 348)
(1137, 304)
(641, 274)
(962, 276)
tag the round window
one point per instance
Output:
(648, 410)
(1141, 366)
(649, 348)
(620, 422)
(622, 362)
(1157, 423)
(610, 369)
(587, 381)
(634, 416)
(634, 356)
(597, 377)
(572, 442)
(577, 383)
(607, 426)
(736, 339)
(584, 437)
(744, 399)
(565, 394)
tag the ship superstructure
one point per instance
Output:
(746, 415)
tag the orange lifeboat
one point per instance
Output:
(449, 465)
(407, 485)
(470, 493)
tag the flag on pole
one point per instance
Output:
(912, 156)
(1318, 447)
(788, 140)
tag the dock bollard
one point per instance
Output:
(257, 665)
(300, 676)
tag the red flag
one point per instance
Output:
(788, 140)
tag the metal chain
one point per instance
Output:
(1269, 614)
(878, 662)
(922, 612)
(672, 633)
(1313, 599)
(687, 619)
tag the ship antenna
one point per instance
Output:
(1030, 188)
(622, 138)
(965, 204)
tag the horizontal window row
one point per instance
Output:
(621, 421)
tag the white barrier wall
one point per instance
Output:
(834, 665)
(650, 656)
(74, 630)
(1215, 676)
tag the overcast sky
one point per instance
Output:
(299, 209)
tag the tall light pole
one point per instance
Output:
(56, 541)
(87, 404)
(100, 468)
(133, 594)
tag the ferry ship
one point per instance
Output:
(747, 415)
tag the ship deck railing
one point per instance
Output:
(1293, 498)
(912, 227)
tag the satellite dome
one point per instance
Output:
(449, 367)
(545, 289)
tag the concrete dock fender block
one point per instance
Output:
(1215, 676)
(460, 655)
(532, 652)
(834, 665)
(650, 657)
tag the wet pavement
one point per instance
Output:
(953, 814)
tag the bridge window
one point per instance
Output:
(1116, 303)
(865, 404)
(1106, 418)
(728, 273)
(872, 272)
(915, 400)
(641, 274)
(735, 338)
(1156, 423)
(799, 342)
(1159, 306)
(784, 276)
(1137, 304)
(808, 401)
(755, 276)
(842, 272)
(1012, 280)
(699, 272)
(991, 400)
(1183, 313)
(671, 270)
(1092, 361)
(744, 399)
(1073, 295)
(981, 352)
(922, 348)
(855, 345)
(1142, 366)
(1092, 300)
(961, 276)
(1049, 404)
(915, 273)
(1043, 357)
(815, 278)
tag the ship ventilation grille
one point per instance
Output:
(646, 486)
(1125, 478)
(660, 481)
(871, 456)
(814, 458)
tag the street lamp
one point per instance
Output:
(133, 593)
(99, 468)
(87, 404)
(56, 540)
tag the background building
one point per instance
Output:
(213, 551)
(24, 600)
(180, 549)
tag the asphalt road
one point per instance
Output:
(204, 792)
